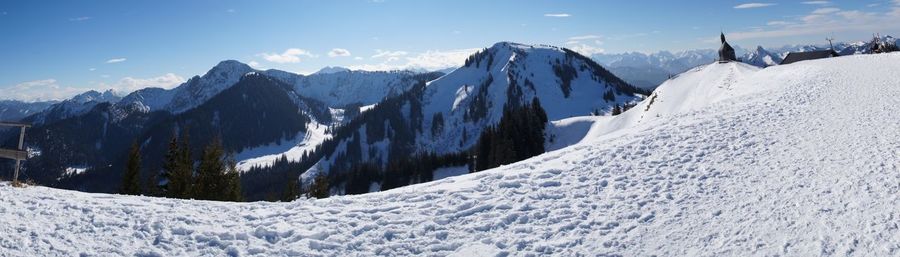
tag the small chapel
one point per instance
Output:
(726, 52)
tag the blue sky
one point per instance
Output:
(55, 49)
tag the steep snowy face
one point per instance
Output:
(762, 58)
(509, 74)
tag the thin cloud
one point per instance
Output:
(39, 90)
(428, 60)
(825, 21)
(558, 15)
(130, 84)
(753, 5)
(388, 54)
(585, 37)
(826, 10)
(83, 18)
(116, 60)
(817, 2)
(291, 55)
(338, 52)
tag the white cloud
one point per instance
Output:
(824, 21)
(817, 2)
(585, 37)
(39, 90)
(434, 59)
(130, 84)
(357, 58)
(254, 64)
(338, 52)
(83, 18)
(584, 48)
(388, 54)
(557, 15)
(291, 55)
(826, 10)
(429, 60)
(777, 23)
(753, 5)
(92, 69)
(116, 60)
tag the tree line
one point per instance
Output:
(214, 177)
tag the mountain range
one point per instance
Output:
(648, 71)
(264, 116)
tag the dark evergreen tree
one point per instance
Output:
(217, 178)
(291, 190)
(320, 187)
(131, 178)
(180, 168)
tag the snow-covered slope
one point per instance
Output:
(785, 161)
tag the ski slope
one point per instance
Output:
(794, 160)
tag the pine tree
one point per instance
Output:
(180, 165)
(130, 181)
(170, 164)
(217, 176)
(232, 179)
(291, 191)
(319, 188)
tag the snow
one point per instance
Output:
(75, 170)
(446, 172)
(293, 148)
(794, 160)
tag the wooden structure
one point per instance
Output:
(805, 56)
(19, 154)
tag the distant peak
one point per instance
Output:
(232, 65)
(330, 70)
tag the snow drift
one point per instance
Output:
(793, 160)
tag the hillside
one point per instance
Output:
(793, 160)
(447, 115)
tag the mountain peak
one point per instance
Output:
(232, 65)
(330, 70)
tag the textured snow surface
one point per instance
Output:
(803, 161)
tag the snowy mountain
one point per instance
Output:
(762, 58)
(288, 114)
(329, 70)
(13, 110)
(191, 93)
(446, 115)
(647, 71)
(650, 70)
(733, 165)
(342, 89)
(75, 106)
